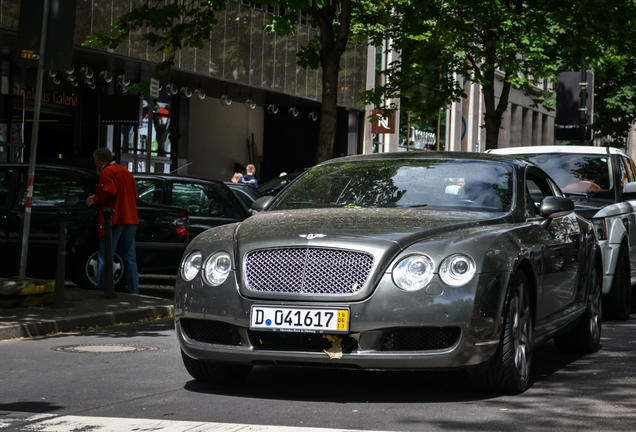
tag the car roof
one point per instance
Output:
(176, 177)
(557, 149)
(434, 155)
(50, 166)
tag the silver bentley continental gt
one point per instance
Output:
(402, 261)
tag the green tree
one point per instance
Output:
(600, 33)
(182, 24)
(497, 44)
(506, 44)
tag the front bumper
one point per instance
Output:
(468, 319)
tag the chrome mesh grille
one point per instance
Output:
(307, 270)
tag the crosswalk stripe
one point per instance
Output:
(48, 422)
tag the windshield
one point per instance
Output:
(576, 174)
(423, 183)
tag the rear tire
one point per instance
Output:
(208, 371)
(510, 368)
(585, 337)
(618, 302)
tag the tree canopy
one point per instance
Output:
(501, 45)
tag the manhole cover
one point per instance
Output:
(115, 348)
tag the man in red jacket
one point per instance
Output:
(116, 189)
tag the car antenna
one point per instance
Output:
(172, 172)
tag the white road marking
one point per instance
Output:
(50, 422)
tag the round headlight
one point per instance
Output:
(217, 268)
(457, 270)
(413, 272)
(191, 266)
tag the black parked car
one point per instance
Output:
(274, 186)
(245, 193)
(162, 234)
(209, 203)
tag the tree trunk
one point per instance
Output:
(334, 43)
(494, 114)
(329, 110)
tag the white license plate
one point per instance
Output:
(298, 319)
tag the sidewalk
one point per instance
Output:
(83, 309)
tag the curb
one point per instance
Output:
(47, 326)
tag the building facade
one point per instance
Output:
(460, 126)
(240, 99)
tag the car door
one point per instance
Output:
(54, 190)
(628, 175)
(207, 204)
(559, 254)
(8, 186)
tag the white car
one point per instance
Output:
(602, 183)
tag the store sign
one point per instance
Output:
(53, 97)
(423, 138)
(121, 109)
(384, 125)
(154, 88)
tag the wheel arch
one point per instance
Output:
(617, 232)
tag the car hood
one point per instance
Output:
(350, 226)
(599, 209)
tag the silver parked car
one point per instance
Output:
(602, 183)
(395, 261)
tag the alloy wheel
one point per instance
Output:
(521, 330)
(91, 269)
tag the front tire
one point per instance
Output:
(617, 303)
(208, 371)
(585, 337)
(509, 370)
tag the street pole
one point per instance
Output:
(34, 142)
(583, 107)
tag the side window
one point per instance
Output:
(243, 197)
(623, 170)
(201, 199)
(538, 187)
(534, 196)
(5, 185)
(629, 169)
(56, 189)
(150, 190)
(530, 204)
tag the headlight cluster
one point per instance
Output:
(414, 272)
(215, 269)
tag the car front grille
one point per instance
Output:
(211, 332)
(421, 339)
(307, 270)
(303, 342)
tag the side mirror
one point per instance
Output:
(629, 193)
(261, 203)
(553, 206)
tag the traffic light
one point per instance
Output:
(568, 109)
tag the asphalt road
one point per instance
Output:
(594, 392)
